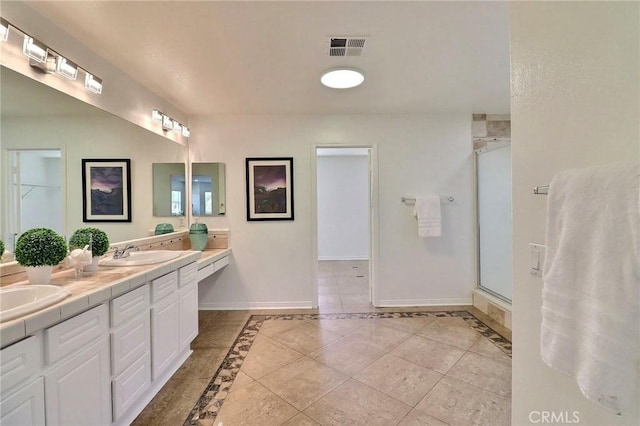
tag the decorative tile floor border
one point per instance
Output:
(210, 402)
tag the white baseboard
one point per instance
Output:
(343, 257)
(237, 306)
(425, 302)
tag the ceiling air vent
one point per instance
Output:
(346, 46)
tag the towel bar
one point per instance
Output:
(412, 200)
(541, 190)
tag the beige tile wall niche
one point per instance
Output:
(488, 127)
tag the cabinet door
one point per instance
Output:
(165, 338)
(188, 314)
(79, 390)
(131, 385)
(24, 407)
(130, 342)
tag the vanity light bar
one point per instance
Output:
(93, 83)
(169, 123)
(34, 49)
(4, 30)
(66, 68)
(49, 61)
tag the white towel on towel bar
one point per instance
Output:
(591, 293)
(428, 215)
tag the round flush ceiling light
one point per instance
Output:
(342, 78)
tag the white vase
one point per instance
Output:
(39, 274)
(93, 266)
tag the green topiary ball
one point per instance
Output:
(94, 236)
(40, 247)
(1, 247)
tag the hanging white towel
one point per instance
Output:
(428, 215)
(591, 295)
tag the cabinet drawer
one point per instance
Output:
(205, 272)
(221, 263)
(130, 342)
(129, 305)
(75, 333)
(129, 386)
(188, 274)
(164, 286)
(20, 362)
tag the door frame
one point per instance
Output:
(10, 191)
(373, 218)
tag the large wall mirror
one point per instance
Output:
(169, 189)
(55, 132)
(208, 197)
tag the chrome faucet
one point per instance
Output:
(121, 254)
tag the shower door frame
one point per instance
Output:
(493, 144)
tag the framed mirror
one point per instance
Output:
(169, 189)
(208, 197)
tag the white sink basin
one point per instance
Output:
(21, 300)
(137, 258)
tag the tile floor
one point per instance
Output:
(331, 366)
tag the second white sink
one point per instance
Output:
(137, 258)
(21, 300)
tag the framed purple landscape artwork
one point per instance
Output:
(106, 190)
(269, 188)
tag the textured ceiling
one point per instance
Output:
(267, 57)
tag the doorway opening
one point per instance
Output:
(34, 193)
(344, 212)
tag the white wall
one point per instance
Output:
(575, 103)
(418, 154)
(343, 207)
(103, 136)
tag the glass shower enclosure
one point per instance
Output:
(493, 166)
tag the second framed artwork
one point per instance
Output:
(106, 190)
(269, 188)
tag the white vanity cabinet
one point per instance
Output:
(22, 385)
(104, 365)
(77, 386)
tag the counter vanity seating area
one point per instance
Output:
(98, 356)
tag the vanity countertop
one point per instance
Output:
(92, 289)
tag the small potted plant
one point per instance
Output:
(39, 250)
(96, 239)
